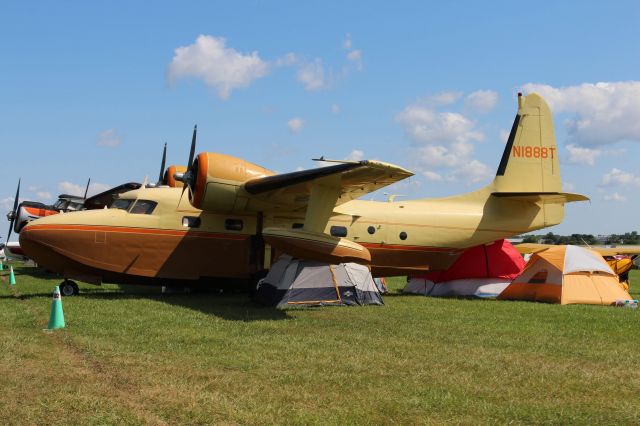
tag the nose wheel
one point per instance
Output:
(69, 288)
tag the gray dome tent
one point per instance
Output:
(294, 282)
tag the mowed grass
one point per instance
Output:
(139, 357)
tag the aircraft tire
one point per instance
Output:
(252, 285)
(69, 288)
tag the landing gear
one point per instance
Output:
(252, 285)
(69, 288)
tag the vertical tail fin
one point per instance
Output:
(530, 160)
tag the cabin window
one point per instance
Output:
(120, 204)
(143, 207)
(233, 224)
(371, 230)
(190, 222)
(403, 235)
(338, 231)
(297, 226)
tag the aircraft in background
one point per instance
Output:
(239, 216)
(28, 211)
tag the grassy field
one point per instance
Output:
(138, 357)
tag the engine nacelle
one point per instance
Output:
(217, 181)
(170, 180)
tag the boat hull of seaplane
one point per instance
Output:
(138, 254)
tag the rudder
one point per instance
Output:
(529, 162)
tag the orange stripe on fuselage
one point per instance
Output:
(407, 247)
(129, 230)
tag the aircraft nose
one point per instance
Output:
(32, 241)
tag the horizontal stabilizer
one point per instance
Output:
(545, 197)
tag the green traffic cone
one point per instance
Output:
(12, 277)
(57, 316)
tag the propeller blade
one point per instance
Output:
(14, 211)
(193, 147)
(163, 164)
(86, 190)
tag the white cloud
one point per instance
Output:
(504, 135)
(440, 99)
(481, 101)
(220, 67)
(472, 172)
(432, 176)
(425, 125)
(109, 138)
(355, 155)
(619, 177)
(6, 204)
(335, 108)
(603, 113)
(580, 155)
(615, 197)
(295, 124)
(44, 195)
(443, 141)
(568, 186)
(312, 76)
(287, 60)
(71, 188)
(347, 43)
(355, 56)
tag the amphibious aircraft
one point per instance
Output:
(237, 216)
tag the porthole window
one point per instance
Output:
(403, 235)
(233, 224)
(339, 231)
(371, 230)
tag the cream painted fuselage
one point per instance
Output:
(179, 243)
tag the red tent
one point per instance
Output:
(496, 260)
(481, 271)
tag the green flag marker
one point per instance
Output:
(57, 316)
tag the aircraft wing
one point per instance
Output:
(319, 191)
(526, 248)
(350, 180)
(530, 248)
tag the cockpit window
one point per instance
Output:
(143, 207)
(74, 206)
(60, 205)
(120, 204)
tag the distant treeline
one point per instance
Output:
(578, 239)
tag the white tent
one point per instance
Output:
(292, 282)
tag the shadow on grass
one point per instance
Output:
(229, 306)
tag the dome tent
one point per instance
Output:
(294, 282)
(480, 271)
(567, 275)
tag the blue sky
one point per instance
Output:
(94, 89)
